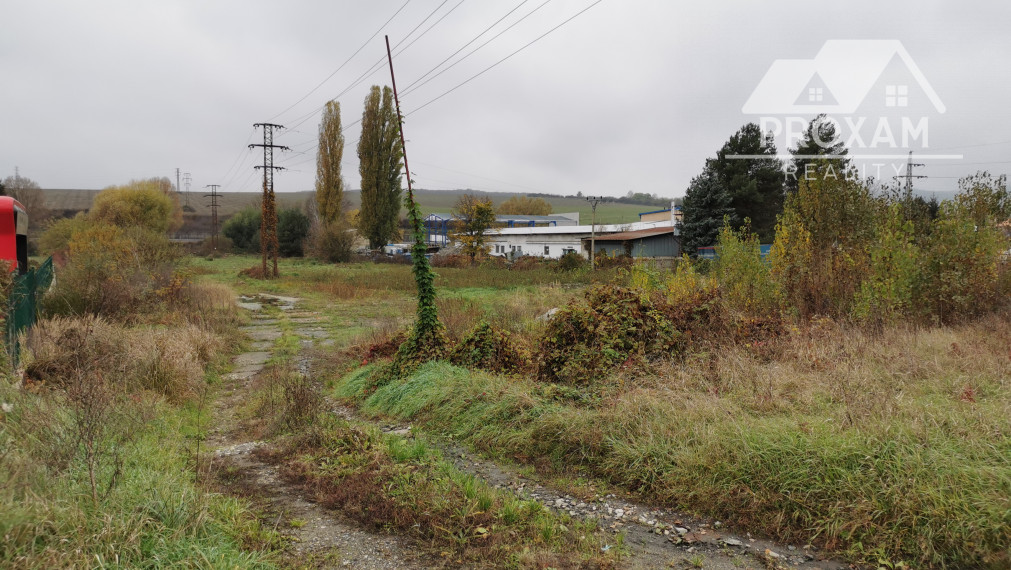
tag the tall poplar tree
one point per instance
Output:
(329, 182)
(379, 162)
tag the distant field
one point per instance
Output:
(439, 201)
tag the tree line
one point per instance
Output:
(731, 189)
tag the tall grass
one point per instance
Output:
(888, 446)
(154, 517)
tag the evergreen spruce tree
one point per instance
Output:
(705, 206)
(735, 188)
(379, 163)
(755, 185)
(820, 139)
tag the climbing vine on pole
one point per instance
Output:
(428, 339)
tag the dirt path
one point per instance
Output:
(656, 538)
(318, 538)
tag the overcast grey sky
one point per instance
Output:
(630, 95)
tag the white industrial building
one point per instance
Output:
(554, 242)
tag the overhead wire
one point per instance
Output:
(485, 70)
(375, 67)
(413, 87)
(230, 170)
(464, 46)
(357, 51)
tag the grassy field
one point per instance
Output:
(389, 483)
(430, 201)
(98, 451)
(887, 447)
(883, 447)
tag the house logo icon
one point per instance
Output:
(844, 77)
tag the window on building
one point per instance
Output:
(547, 250)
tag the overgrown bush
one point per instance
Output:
(843, 253)
(527, 262)
(571, 261)
(490, 349)
(148, 204)
(116, 272)
(613, 325)
(59, 232)
(292, 231)
(331, 242)
(887, 295)
(603, 260)
(960, 270)
(745, 280)
(820, 256)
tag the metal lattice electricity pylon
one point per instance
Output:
(268, 224)
(214, 213)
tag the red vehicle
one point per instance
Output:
(14, 234)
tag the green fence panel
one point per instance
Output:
(22, 305)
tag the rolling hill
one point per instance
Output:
(431, 201)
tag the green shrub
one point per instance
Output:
(292, 231)
(613, 325)
(820, 256)
(57, 235)
(745, 280)
(886, 296)
(571, 261)
(141, 203)
(244, 230)
(490, 349)
(960, 273)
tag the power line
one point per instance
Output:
(377, 66)
(357, 51)
(411, 89)
(436, 23)
(971, 145)
(374, 67)
(474, 39)
(239, 156)
(485, 70)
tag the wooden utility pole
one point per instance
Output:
(403, 144)
(268, 223)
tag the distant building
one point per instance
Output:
(554, 242)
(656, 243)
(438, 225)
(673, 213)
